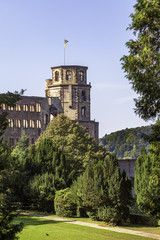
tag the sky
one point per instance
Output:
(32, 34)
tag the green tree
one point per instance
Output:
(22, 173)
(147, 176)
(103, 191)
(142, 64)
(8, 230)
(49, 171)
(77, 145)
(64, 203)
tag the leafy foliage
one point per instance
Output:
(76, 144)
(103, 191)
(64, 203)
(147, 177)
(127, 143)
(8, 230)
(142, 65)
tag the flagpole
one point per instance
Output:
(65, 42)
(64, 55)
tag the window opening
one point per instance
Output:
(68, 75)
(18, 107)
(31, 108)
(56, 76)
(83, 95)
(31, 123)
(83, 111)
(25, 108)
(10, 123)
(38, 107)
(18, 123)
(25, 123)
(81, 76)
(38, 124)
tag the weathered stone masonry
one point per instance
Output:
(67, 92)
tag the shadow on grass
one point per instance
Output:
(34, 221)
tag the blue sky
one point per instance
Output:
(32, 33)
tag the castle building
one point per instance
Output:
(67, 92)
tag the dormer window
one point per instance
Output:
(56, 76)
(68, 75)
(81, 76)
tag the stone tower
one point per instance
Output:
(69, 84)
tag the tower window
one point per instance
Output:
(83, 95)
(68, 75)
(56, 76)
(81, 76)
(83, 111)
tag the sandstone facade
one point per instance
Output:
(67, 92)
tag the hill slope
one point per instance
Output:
(126, 143)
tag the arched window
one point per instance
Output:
(83, 111)
(83, 95)
(81, 76)
(68, 75)
(56, 76)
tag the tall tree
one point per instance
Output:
(75, 142)
(147, 176)
(142, 64)
(103, 191)
(8, 230)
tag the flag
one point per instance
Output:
(65, 42)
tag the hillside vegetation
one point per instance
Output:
(126, 143)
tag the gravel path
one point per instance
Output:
(95, 225)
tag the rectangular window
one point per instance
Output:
(32, 140)
(31, 123)
(18, 123)
(3, 106)
(25, 123)
(10, 123)
(31, 108)
(10, 108)
(38, 124)
(38, 107)
(25, 108)
(18, 107)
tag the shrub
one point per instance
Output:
(64, 203)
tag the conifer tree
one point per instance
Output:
(103, 191)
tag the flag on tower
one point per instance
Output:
(65, 42)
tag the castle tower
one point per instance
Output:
(69, 84)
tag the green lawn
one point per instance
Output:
(40, 229)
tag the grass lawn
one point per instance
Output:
(41, 229)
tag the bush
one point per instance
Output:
(64, 203)
(144, 220)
